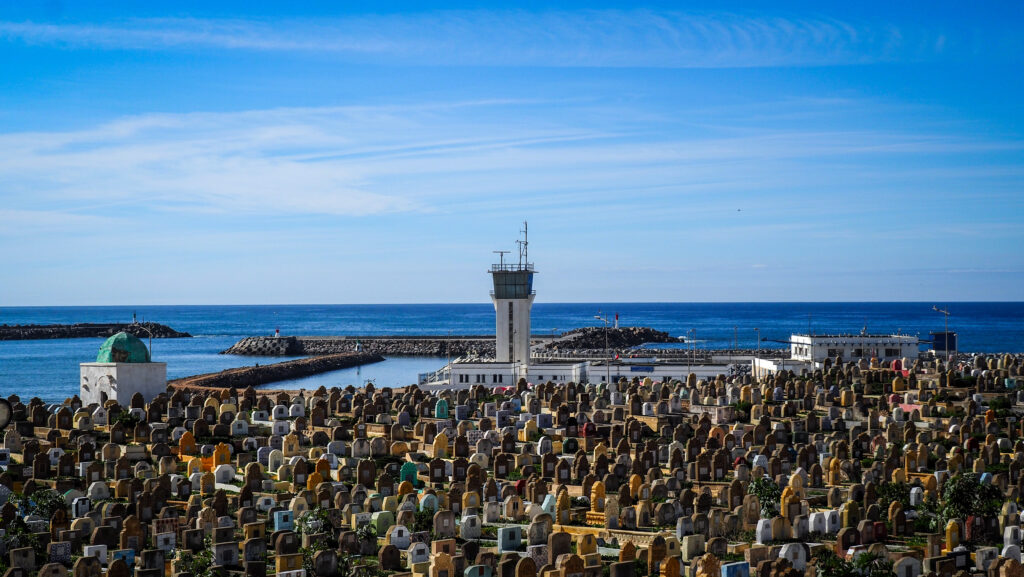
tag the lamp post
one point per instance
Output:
(693, 350)
(735, 341)
(945, 337)
(757, 357)
(608, 360)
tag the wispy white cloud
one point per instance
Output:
(465, 157)
(604, 38)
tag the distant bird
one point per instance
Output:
(739, 210)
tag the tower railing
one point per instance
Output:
(512, 267)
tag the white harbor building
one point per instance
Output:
(809, 351)
(513, 295)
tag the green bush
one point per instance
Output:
(768, 495)
(888, 492)
(198, 564)
(828, 564)
(313, 521)
(963, 496)
(43, 502)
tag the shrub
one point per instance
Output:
(768, 495)
(888, 492)
(828, 564)
(313, 521)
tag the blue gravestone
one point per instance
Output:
(263, 455)
(284, 521)
(736, 569)
(477, 571)
(509, 538)
(126, 555)
(441, 409)
(429, 501)
(549, 505)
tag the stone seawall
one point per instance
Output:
(87, 330)
(389, 346)
(262, 374)
(266, 347)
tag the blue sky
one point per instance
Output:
(181, 153)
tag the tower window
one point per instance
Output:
(511, 334)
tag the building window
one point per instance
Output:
(892, 352)
(511, 334)
(833, 353)
(858, 353)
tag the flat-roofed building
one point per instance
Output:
(851, 347)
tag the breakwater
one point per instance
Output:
(589, 338)
(87, 330)
(611, 338)
(263, 374)
(419, 346)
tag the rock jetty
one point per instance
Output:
(618, 338)
(260, 375)
(430, 346)
(592, 338)
(87, 330)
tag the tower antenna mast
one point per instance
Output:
(524, 247)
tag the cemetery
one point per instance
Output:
(857, 468)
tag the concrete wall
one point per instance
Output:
(761, 368)
(465, 375)
(121, 380)
(599, 373)
(558, 372)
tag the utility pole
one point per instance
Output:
(757, 357)
(608, 361)
(735, 341)
(690, 357)
(693, 347)
(945, 338)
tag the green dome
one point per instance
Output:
(123, 348)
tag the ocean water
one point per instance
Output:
(49, 368)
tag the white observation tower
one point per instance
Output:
(513, 298)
